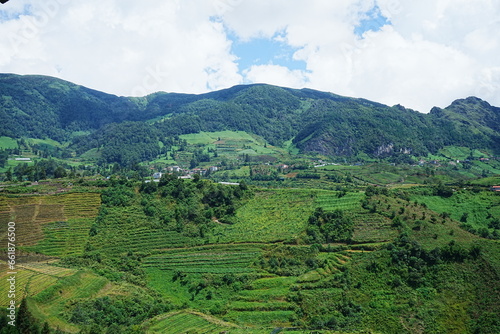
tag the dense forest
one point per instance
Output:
(44, 107)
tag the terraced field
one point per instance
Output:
(329, 200)
(129, 229)
(187, 322)
(232, 143)
(32, 278)
(64, 238)
(51, 303)
(263, 303)
(334, 263)
(215, 259)
(372, 228)
(37, 217)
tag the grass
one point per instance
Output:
(330, 201)
(64, 238)
(263, 303)
(477, 206)
(129, 229)
(488, 181)
(232, 144)
(211, 259)
(32, 278)
(270, 216)
(461, 153)
(333, 264)
(372, 228)
(7, 143)
(50, 142)
(192, 275)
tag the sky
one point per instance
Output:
(418, 54)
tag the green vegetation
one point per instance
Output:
(66, 119)
(132, 256)
(255, 209)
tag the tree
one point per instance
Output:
(193, 163)
(4, 156)
(329, 226)
(25, 322)
(60, 172)
(45, 329)
(8, 174)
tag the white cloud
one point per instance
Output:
(276, 75)
(122, 46)
(433, 52)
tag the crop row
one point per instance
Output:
(203, 261)
(22, 280)
(28, 233)
(370, 227)
(331, 201)
(32, 279)
(184, 323)
(47, 269)
(261, 318)
(203, 257)
(60, 240)
(144, 240)
(78, 205)
(260, 306)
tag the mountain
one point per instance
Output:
(45, 107)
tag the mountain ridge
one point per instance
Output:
(317, 122)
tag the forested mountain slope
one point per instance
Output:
(44, 107)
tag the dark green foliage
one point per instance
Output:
(329, 227)
(416, 265)
(125, 143)
(43, 107)
(118, 311)
(303, 175)
(443, 191)
(41, 170)
(25, 322)
(45, 329)
(120, 195)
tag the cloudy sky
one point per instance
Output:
(416, 53)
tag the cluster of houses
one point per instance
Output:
(185, 173)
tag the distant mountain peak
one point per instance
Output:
(316, 121)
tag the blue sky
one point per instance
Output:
(416, 53)
(274, 50)
(14, 14)
(374, 20)
(262, 51)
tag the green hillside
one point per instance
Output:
(195, 256)
(316, 122)
(253, 209)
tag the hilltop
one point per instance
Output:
(313, 121)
